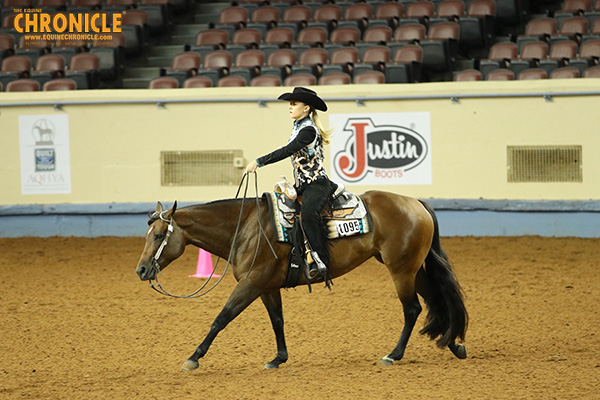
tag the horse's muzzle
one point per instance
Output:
(146, 272)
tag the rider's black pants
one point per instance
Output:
(314, 198)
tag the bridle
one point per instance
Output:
(170, 229)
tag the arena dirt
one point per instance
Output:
(77, 323)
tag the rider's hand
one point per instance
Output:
(250, 168)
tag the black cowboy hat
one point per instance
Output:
(306, 96)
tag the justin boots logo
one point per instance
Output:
(387, 152)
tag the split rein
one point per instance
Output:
(156, 285)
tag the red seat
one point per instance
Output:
(233, 15)
(197, 82)
(212, 37)
(565, 73)
(300, 80)
(532, 74)
(84, 70)
(378, 34)
(574, 26)
(344, 55)
(451, 9)
(18, 3)
(16, 64)
(541, 27)
(409, 33)
(374, 55)
(247, 36)
(312, 35)
(480, 8)
(339, 78)
(7, 44)
(218, 59)
(281, 57)
(358, 11)
(23, 85)
(370, 78)
(389, 11)
(345, 35)
(501, 75)
(420, 9)
(186, 61)
(250, 58)
(232, 81)
(164, 82)
(405, 66)
(266, 80)
(469, 75)
(59, 84)
(279, 36)
(297, 13)
(534, 51)
(86, 3)
(328, 12)
(575, 6)
(592, 72)
(265, 14)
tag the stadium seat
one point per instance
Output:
(248, 64)
(23, 85)
(530, 57)
(369, 78)
(210, 40)
(33, 49)
(440, 49)
(565, 73)
(295, 17)
(419, 11)
(231, 19)
(244, 39)
(532, 74)
(573, 28)
(388, 14)
(592, 72)
(405, 66)
(279, 63)
(111, 54)
(500, 56)
(266, 80)
(477, 27)
(326, 16)
(197, 82)
(232, 81)
(559, 56)
(7, 45)
(541, 29)
(338, 78)
(345, 36)
(48, 67)
(134, 27)
(357, 15)
(342, 60)
(59, 84)
(311, 61)
(500, 75)
(468, 75)
(84, 70)
(164, 82)
(300, 80)
(589, 55)
(374, 59)
(183, 66)
(310, 37)
(264, 18)
(68, 48)
(216, 65)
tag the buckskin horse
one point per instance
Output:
(405, 237)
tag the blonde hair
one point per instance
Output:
(325, 133)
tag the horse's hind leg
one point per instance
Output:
(272, 301)
(405, 287)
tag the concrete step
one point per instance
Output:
(159, 62)
(189, 29)
(165, 50)
(183, 39)
(141, 72)
(136, 83)
(213, 8)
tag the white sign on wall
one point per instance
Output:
(381, 148)
(45, 155)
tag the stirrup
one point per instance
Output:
(318, 268)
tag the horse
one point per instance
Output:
(405, 237)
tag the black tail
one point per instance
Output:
(439, 287)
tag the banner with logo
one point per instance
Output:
(45, 155)
(381, 148)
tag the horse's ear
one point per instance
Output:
(169, 214)
(159, 207)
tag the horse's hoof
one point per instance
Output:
(460, 351)
(190, 365)
(271, 365)
(386, 361)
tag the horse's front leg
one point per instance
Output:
(241, 297)
(272, 301)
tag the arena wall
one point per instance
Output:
(116, 138)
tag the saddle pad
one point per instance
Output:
(348, 216)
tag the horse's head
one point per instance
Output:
(164, 243)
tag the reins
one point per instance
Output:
(198, 293)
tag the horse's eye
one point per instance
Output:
(159, 236)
